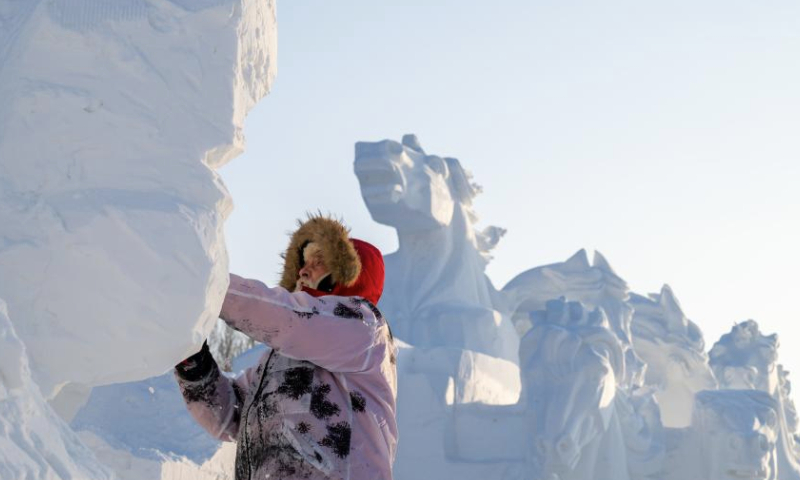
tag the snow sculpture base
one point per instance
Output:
(34, 442)
(113, 116)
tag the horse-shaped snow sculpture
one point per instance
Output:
(436, 291)
(674, 350)
(746, 359)
(580, 424)
(732, 436)
(595, 285)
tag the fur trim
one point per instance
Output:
(338, 252)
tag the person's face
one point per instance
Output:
(313, 271)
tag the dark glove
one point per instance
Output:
(197, 366)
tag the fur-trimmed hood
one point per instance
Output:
(355, 266)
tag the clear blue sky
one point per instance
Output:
(664, 134)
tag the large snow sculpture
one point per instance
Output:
(572, 354)
(674, 350)
(574, 420)
(436, 293)
(732, 437)
(595, 285)
(461, 348)
(746, 359)
(113, 117)
(604, 431)
(35, 443)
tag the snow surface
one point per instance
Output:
(35, 443)
(112, 248)
(674, 350)
(113, 117)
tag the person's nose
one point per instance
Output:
(303, 271)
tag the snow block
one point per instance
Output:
(113, 116)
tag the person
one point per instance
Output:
(321, 402)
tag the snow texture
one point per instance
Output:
(35, 443)
(112, 258)
(112, 248)
(674, 350)
(132, 416)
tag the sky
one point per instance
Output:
(663, 134)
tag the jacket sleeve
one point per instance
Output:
(214, 400)
(336, 333)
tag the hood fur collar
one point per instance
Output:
(338, 252)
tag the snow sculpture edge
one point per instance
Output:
(113, 248)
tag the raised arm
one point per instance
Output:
(336, 333)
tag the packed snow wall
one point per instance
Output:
(113, 117)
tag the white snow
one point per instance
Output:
(35, 443)
(112, 247)
(603, 371)
(674, 350)
(113, 117)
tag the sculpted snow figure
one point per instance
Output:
(112, 252)
(321, 403)
(747, 359)
(461, 346)
(437, 292)
(574, 420)
(674, 350)
(732, 437)
(602, 432)
(595, 285)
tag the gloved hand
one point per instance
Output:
(197, 366)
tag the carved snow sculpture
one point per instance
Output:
(35, 443)
(789, 409)
(582, 422)
(594, 285)
(744, 358)
(113, 117)
(674, 350)
(433, 383)
(732, 437)
(574, 419)
(461, 347)
(436, 292)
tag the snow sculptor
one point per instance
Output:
(321, 403)
(114, 115)
(438, 294)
